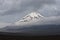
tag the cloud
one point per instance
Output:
(4, 24)
(9, 7)
(50, 20)
(48, 10)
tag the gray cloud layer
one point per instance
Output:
(24, 6)
(12, 10)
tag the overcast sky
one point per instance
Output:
(13, 10)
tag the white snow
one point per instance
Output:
(29, 19)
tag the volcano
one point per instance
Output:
(32, 17)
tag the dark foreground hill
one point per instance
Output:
(43, 32)
(15, 36)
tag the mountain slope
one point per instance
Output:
(30, 18)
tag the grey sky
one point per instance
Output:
(13, 10)
(19, 6)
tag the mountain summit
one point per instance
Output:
(33, 16)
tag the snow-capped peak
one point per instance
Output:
(33, 16)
